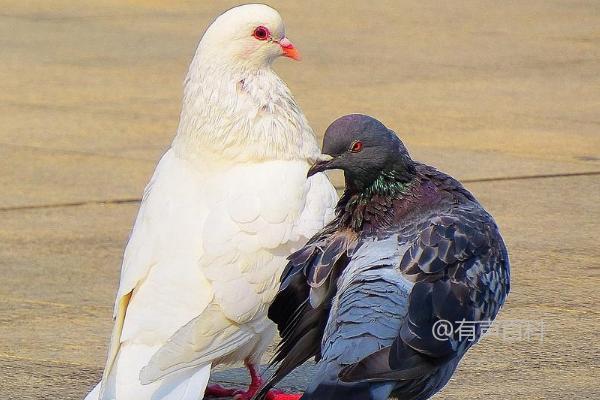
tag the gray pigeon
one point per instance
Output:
(393, 292)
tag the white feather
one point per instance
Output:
(224, 208)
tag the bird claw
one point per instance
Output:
(271, 394)
(218, 391)
(280, 395)
(243, 396)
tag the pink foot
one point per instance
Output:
(243, 396)
(279, 395)
(219, 391)
(271, 395)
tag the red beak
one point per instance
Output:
(289, 50)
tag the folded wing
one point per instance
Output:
(460, 269)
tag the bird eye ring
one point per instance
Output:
(356, 147)
(261, 33)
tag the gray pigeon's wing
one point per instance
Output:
(301, 307)
(460, 268)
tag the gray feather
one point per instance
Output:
(409, 247)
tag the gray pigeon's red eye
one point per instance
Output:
(261, 33)
(356, 146)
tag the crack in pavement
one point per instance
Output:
(525, 177)
(20, 301)
(71, 204)
(138, 199)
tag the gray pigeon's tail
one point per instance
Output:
(327, 386)
(359, 391)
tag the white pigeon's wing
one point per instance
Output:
(198, 343)
(160, 248)
(137, 261)
(268, 210)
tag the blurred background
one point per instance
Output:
(502, 95)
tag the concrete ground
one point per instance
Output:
(503, 95)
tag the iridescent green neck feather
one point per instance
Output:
(388, 183)
(356, 205)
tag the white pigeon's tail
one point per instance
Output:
(123, 382)
(94, 394)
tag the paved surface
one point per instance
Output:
(491, 92)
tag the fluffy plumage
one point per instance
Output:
(409, 247)
(224, 207)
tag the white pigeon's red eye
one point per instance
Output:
(356, 146)
(261, 33)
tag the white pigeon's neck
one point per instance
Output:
(240, 113)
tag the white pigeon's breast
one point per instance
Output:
(216, 235)
(260, 200)
(248, 234)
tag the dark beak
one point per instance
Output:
(322, 164)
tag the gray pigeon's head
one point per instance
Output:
(362, 147)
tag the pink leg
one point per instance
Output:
(219, 391)
(255, 384)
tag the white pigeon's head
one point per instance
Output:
(234, 105)
(249, 35)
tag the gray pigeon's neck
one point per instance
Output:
(388, 187)
(389, 183)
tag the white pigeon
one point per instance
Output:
(227, 203)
